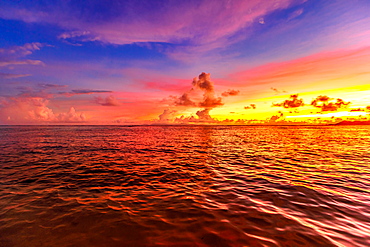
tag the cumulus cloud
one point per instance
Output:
(167, 115)
(107, 101)
(204, 83)
(326, 103)
(35, 109)
(71, 116)
(184, 100)
(202, 116)
(230, 92)
(293, 102)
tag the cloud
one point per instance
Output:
(71, 116)
(12, 76)
(167, 115)
(230, 92)
(202, 117)
(209, 101)
(251, 106)
(107, 101)
(357, 109)
(184, 100)
(293, 102)
(50, 85)
(204, 83)
(21, 62)
(277, 91)
(174, 22)
(13, 55)
(327, 104)
(35, 109)
(73, 34)
(20, 51)
(276, 118)
(83, 91)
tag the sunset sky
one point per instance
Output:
(143, 62)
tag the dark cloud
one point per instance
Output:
(277, 117)
(277, 90)
(293, 102)
(203, 83)
(230, 92)
(84, 91)
(184, 100)
(51, 86)
(251, 106)
(357, 109)
(326, 103)
(211, 102)
(204, 115)
(107, 101)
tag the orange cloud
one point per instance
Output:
(293, 102)
(324, 103)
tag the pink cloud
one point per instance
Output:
(21, 110)
(15, 56)
(176, 22)
(107, 101)
(230, 92)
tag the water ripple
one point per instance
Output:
(184, 186)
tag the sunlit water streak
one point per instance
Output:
(184, 186)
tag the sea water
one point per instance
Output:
(185, 186)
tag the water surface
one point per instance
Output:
(184, 186)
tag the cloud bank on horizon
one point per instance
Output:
(130, 62)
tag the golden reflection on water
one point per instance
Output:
(185, 186)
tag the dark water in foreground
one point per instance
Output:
(184, 186)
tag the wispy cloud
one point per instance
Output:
(175, 22)
(83, 91)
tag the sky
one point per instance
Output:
(184, 62)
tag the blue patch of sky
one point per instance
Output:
(282, 35)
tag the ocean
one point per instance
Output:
(185, 186)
